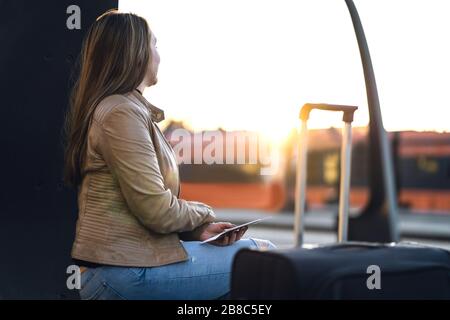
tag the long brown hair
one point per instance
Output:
(114, 59)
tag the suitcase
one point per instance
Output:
(346, 270)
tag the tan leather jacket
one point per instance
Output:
(129, 210)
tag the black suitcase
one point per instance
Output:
(343, 271)
(347, 270)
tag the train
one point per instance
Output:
(421, 164)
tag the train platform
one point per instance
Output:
(430, 229)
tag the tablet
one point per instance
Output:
(217, 236)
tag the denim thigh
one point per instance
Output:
(205, 275)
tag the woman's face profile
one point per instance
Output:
(152, 71)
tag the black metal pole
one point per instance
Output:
(378, 220)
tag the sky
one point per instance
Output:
(251, 64)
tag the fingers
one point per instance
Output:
(233, 236)
(223, 241)
(230, 238)
(227, 225)
(241, 233)
(219, 227)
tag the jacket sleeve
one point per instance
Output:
(128, 150)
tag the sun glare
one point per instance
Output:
(251, 65)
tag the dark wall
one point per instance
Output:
(37, 213)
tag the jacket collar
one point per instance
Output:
(156, 113)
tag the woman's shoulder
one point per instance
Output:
(117, 103)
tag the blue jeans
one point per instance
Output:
(205, 275)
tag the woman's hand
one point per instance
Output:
(210, 230)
